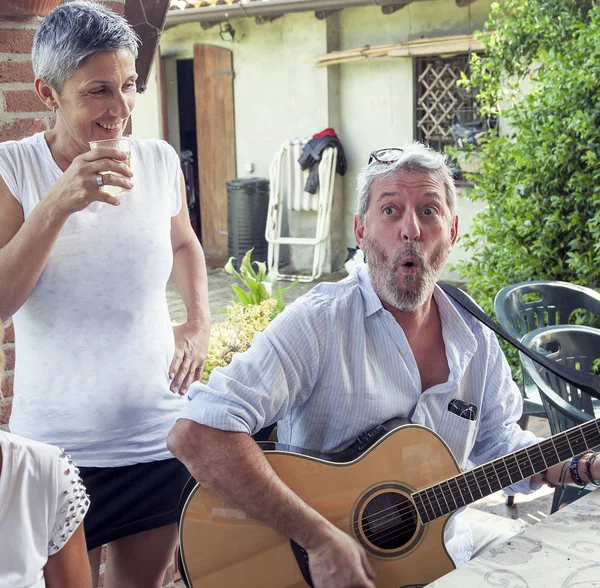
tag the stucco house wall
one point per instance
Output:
(280, 94)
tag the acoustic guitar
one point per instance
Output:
(393, 490)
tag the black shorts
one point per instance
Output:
(131, 499)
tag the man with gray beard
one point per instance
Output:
(385, 342)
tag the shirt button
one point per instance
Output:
(403, 352)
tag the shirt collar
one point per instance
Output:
(371, 301)
(460, 342)
(458, 336)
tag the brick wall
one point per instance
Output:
(21, 115)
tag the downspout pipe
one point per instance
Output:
(223, 12)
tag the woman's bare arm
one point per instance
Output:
(70, 567)
(24, 248)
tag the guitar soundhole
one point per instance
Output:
(389, 520)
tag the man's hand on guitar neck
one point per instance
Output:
(340, 562)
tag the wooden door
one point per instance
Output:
(215, 132)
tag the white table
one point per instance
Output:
(561, 551)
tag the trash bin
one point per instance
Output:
(247, 207)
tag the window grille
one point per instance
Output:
(440, 102)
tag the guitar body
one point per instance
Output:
(368, 498)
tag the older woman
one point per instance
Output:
(40, 492)
(99, 369)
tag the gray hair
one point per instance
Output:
(415, 158)
(73, 32)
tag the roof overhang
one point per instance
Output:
(266, 8)
(147, 17)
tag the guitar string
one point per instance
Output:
(399, 514)
(460, 478)
(388, 534)
(394, 532)
(515, 468)
(462, 483)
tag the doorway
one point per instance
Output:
(186, 107)
(205, 136)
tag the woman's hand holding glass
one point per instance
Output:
(79, 186)
(122, 144)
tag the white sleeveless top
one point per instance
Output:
(94, 340)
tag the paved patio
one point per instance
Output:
(528, 508)
(221, 295)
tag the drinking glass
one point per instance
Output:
(122, 144)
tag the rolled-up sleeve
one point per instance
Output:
(279, 371)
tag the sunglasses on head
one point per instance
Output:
(385, 156)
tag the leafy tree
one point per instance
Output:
(541, 178)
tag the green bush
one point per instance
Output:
(251, 312)
(541, 179)
(235, 334)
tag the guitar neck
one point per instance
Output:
(450, 495)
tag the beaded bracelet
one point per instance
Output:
(573, 469)
(587, 468)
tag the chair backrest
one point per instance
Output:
(527, 306)
(295, 178)
(287, 175)
(575, 346)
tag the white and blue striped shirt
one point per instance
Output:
(335, 364)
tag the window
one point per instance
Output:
(440, 103)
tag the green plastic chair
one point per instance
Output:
(566, 406)
(526, 306)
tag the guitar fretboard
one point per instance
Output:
(446, 497)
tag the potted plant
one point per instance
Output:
(253, 309)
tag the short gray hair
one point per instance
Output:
(415, 158)
(73, 32)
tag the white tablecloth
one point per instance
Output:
(561, 551)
